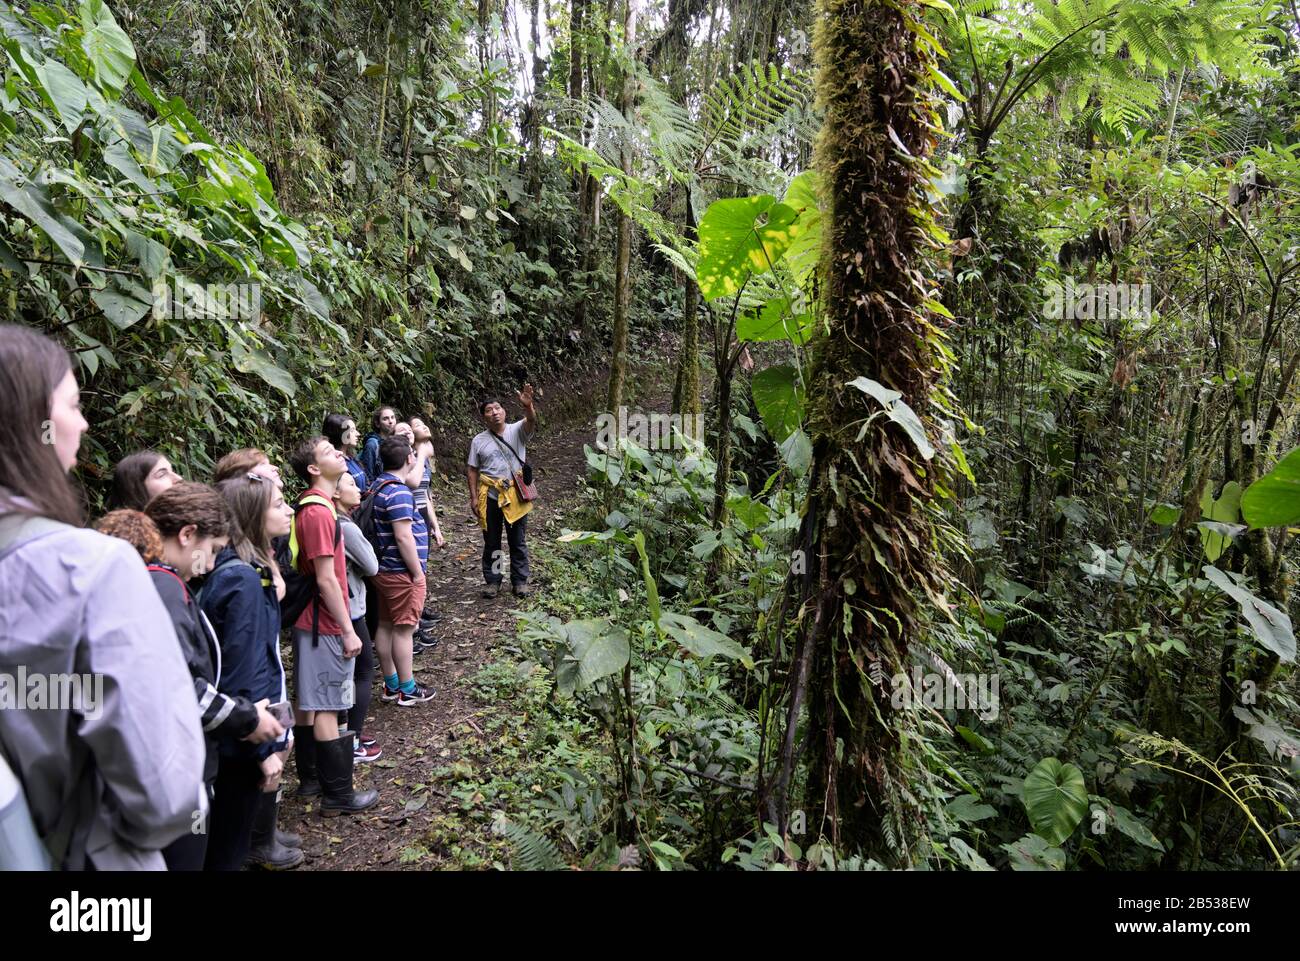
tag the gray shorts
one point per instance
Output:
(322, 675)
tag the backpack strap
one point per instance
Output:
(18, 529)
(160, 569)
(232, 562)
(303, 501)
(503, 443)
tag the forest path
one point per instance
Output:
(417, 741)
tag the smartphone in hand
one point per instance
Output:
(282, 712)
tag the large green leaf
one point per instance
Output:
(258, 362)
(1272, 628)
(741, 237)
(595, 649)
(33, 202)
(66, 91)
(796, 451)
(1274, 499)
(779, 399)
(775, 320)
(1032, 853)
(1224, 511)
(700, 640)
(1055, 798)
(805, 251)
(107, 46)
(123, 302)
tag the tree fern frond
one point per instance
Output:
(531, 851)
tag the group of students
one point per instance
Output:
(176, 599)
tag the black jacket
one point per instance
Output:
(220, 714)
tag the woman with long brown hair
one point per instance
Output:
(115, 773)
(241, 599)
(139, 477)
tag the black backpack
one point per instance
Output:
(364, 515)
(299, 588)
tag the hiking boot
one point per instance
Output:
(418, 696)
(304, 737)
(268, 852)
(335, 760)
(491, 590)
(522, 589)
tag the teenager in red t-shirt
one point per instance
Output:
(325, 645)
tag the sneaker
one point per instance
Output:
(418, 696)
(491, 590)
(429, 617)
(363, 753)
(390, 693)
(367, 740)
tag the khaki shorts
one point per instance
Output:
(401, 598)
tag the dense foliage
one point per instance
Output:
(983, 559)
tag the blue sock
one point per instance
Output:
(408, 686)
(390, 681)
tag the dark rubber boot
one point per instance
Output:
(335, 765)
(304, 739)
(267, 851)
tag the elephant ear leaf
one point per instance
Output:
(1274, 499)
(1055, 799)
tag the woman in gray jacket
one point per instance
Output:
(104, 735)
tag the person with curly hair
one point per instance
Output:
(136, 528)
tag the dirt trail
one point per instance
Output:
(417, 740)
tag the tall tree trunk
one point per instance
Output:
(873, 555)
(623, 254)
(686, 387)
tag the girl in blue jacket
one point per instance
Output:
(242, 601)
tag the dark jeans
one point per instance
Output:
(234, 807)
(515, 534)
(363, 677)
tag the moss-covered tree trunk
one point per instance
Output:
(623, 252)
(871, 555)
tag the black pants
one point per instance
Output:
(187, 853)
(363, 677)
(515, 534)
(234, 807)
(372, 608)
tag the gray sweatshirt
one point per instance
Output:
(124, 760)
(362, 563)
